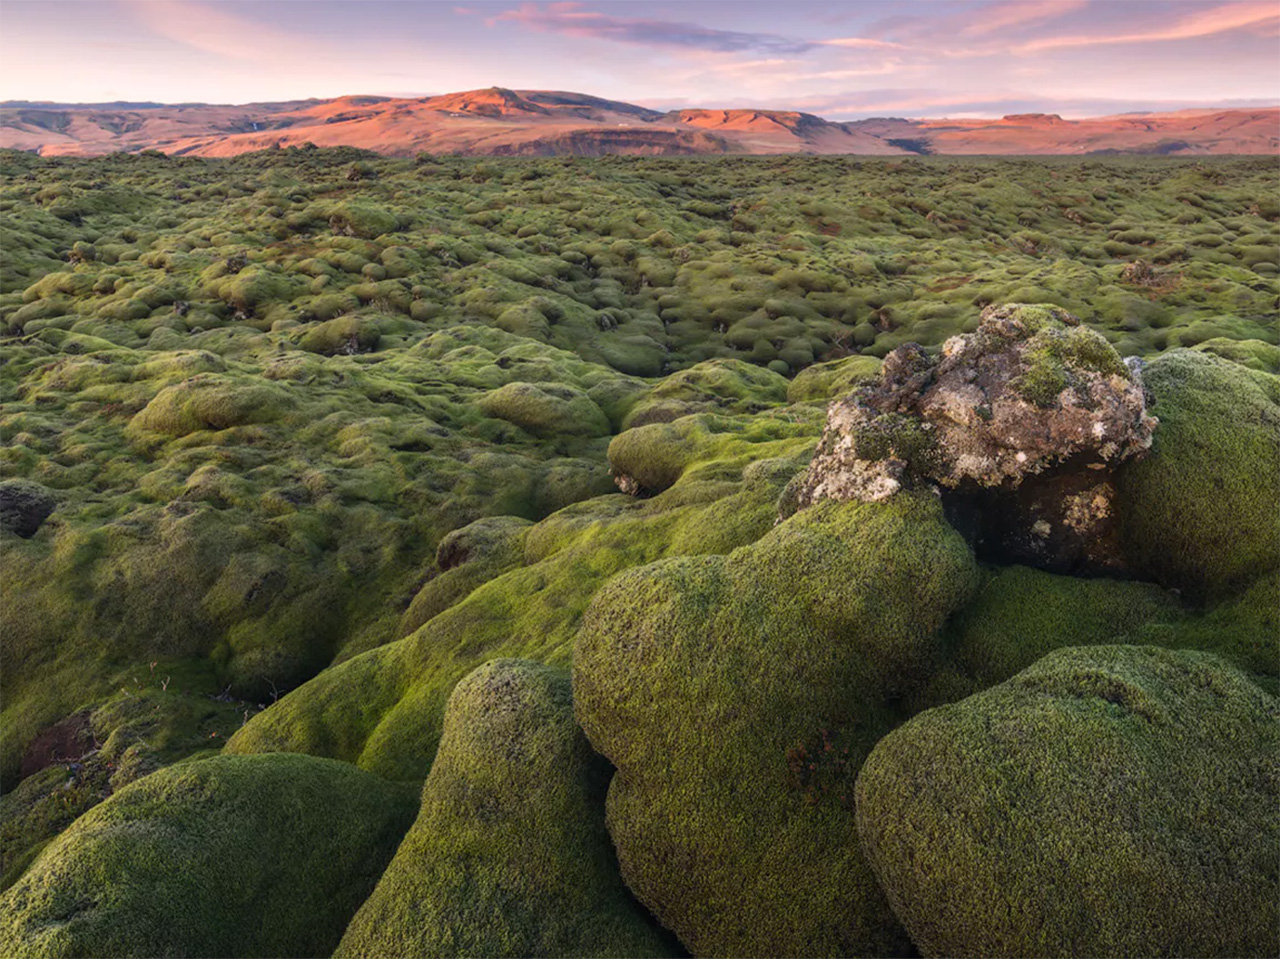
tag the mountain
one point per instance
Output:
(501, 122)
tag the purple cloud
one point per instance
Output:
(574, 20)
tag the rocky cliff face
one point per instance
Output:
(1018, 425)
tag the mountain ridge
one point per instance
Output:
(500, 121)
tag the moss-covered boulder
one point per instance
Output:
(345, 335)
(509, 855)
(229, 856)
(1116, 800)
(1199, 512)
(24, 506)
(737, 697)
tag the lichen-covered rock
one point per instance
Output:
(24, 506)
(1031, 402)
(1200, 512)
(737, 696)
(230, 856)
(1109, 801)
(509, 855)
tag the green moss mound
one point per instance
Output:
(1255, 354)
(1244, 630)
(729, 386)
(832, 380)
(229, 856)
(546, 409)
(1199, 512)
(509, 855)
(465, 559)
(1108, 801)
(209, 402)
(737, 697)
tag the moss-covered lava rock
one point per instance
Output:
(1199, 513)
(1116, 800)
(509, 855)
(737, 697)
(228, 856)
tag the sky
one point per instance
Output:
(843, 59)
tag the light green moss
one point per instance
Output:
(209, 402)
(465, 559)
(729, 386)
(832, 380)
(737, 696)
(383, 709)
(546, 409)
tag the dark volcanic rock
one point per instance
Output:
(24, 506)
(1019, 424)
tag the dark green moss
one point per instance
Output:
(898, 436)
(1020, 614)
(228, 856)
(1116, 800)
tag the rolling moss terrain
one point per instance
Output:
(317, 452)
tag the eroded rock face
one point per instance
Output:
(1019, 424)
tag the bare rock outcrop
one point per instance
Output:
(1018, 424)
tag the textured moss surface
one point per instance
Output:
(509, 855)
(737, 697)
(1116, 800)
(229, 856)
(324, 432)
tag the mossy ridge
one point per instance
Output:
(702, 679)
(231, 855)
(722, 385)
(652, 458)
(383, 709)
(509, 855)
(1198, 512)
(1135, 781)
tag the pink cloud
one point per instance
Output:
(1001, 16)
(1202, 23)
(218, 31)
